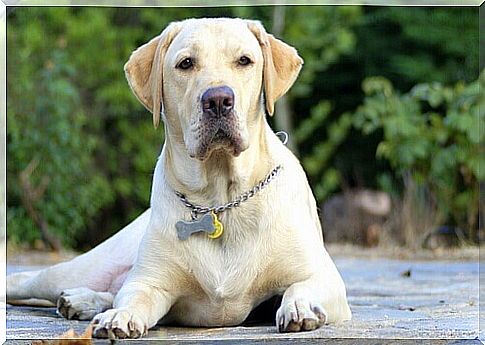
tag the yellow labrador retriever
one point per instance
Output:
(232, 221)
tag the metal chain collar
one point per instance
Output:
(195, 210)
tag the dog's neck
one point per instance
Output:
(221, 177)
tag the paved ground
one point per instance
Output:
(438, 300)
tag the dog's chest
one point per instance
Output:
(226, 267)
(223, 271)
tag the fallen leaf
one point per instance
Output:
(406, 273)
(70, 338)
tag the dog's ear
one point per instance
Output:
(281, 64)
(144, 70)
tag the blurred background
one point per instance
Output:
(384, 117)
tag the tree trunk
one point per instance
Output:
(30, 196)
(283, 120)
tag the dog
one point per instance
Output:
(232, 219)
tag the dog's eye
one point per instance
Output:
(186, 63)
(244, 60)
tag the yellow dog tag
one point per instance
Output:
(219, 228)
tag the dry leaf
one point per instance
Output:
(69, 338)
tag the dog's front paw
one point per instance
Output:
(83, 303)
(297, 315)
(118, 324)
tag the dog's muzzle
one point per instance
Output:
(219, 127)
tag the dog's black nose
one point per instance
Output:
(218, 101)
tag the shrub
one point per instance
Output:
(433, 135)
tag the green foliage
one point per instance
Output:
(442, 57)
(406, 46)
(70, 108)
(46, 125)
(322, 34)
(326, 178)
(431, 133)
(416, 45)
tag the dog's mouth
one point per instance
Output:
(221, 136)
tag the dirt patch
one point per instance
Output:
(464, 253)
(25, 257)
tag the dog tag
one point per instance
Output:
(185, 229)
(219, 229)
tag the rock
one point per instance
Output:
(444, 237)
(406, 273)
(355, 217)
(406, 307)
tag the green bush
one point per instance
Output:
(72, 116)
(70, 109)
(434, 134)
(46, 132)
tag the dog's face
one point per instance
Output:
(208, 77)
(212, 85)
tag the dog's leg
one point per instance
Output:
(309, 304)
(83, 303)
(16, 282)
(87, 271)
(102, 269)
(47, 284)
(18, 295)
(138, 307)
(19, 289)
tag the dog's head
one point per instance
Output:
(210, 80)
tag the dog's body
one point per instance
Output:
(218, 146)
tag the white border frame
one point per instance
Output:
(167, 3)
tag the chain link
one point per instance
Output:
(195, 210)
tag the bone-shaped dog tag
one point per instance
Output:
(185, 229)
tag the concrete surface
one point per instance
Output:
(439, 300)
